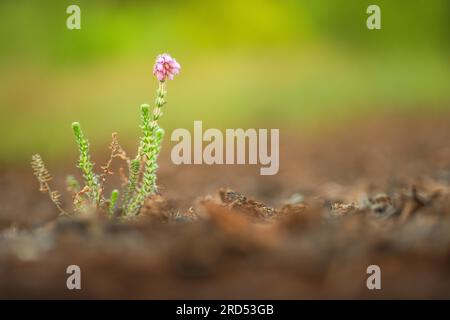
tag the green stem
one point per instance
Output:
(86, 166)
(149, 149)
(112, 201)
(133, 178)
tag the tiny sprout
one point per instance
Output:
(73, 185)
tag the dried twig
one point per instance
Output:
(43, 176)
(116, 152)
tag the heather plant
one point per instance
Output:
(141, 181)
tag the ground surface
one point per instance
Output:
(372, 192)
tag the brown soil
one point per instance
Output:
(377, 192)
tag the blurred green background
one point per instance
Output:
(261, 63)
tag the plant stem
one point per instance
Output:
(134, 167)
(86, 166)
(149, 149)
(112, 201)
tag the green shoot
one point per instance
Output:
(73, 185)
(86, 166)
(112, 201)
(134, 168)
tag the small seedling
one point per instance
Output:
(141, 182)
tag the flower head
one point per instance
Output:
(165, 67)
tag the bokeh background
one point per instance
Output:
(297, 65)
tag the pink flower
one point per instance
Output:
(166, 67)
